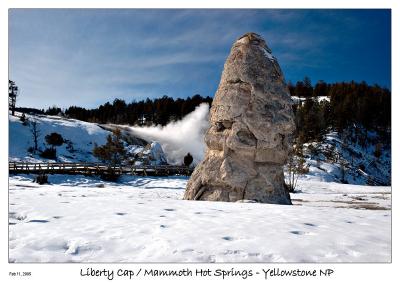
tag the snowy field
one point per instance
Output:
(81, 219)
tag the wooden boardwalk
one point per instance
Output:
(96, 169)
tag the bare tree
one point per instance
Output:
(296, 167)
(35, 133)
(343, 164)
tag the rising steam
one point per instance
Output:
(180, 137)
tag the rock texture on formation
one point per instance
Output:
(251, 123)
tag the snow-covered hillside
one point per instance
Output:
(334, 159)
(80, 137)
(142, 219)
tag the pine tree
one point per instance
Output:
(12, 96)
(308, 88)
(113, 152)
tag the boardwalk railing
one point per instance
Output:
(96, 169)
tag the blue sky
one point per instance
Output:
(87, 57)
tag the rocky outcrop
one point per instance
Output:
(251, 123)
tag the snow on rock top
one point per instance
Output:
(268, 54)
(255, 38)
(155, 154)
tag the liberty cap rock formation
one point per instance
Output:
(251, 122)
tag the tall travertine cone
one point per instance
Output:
(251, 121)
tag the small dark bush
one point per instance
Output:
(31, 150)
(22, 117)
(49, 153)
(110, 175)
(41, 179)
(54, 139)
(24, 120)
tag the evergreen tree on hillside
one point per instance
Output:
(320, 89)
(308, 88)
(113, 152)
(54, 110)
(12, 96)
(157, 111)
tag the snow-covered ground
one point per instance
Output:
(81, 137)
(143, 219)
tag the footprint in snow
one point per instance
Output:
(38, 221)
(75, 248)
(187, 250)
(163, 226)
(120, 213)
(14, 215)
(169, 209)
(301, 233)
(227, 238)
(310, 224)
(236, 251)
(211, 258)
(254, 254)
(57, 217)
(220, 210)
